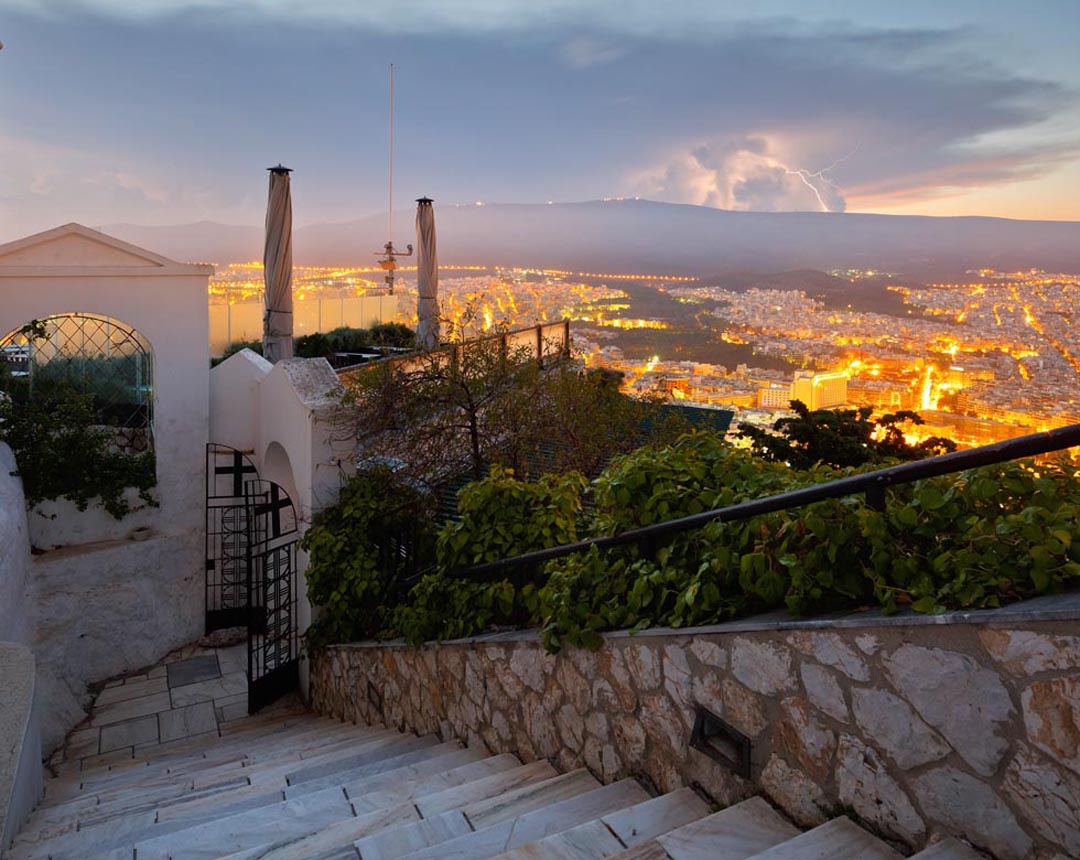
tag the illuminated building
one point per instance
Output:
(820, 390)
(774, 397)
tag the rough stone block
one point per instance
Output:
(968, 807)
(967, 703)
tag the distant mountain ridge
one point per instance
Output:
(655, 238)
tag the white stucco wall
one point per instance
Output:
(76, 269)
(104, 604)
(234, 400)
(282, 413)
(16, 615)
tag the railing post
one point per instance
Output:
(875, 497)
(540, 344)
(566, 338)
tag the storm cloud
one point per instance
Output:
(503, 102)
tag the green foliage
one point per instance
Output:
(501, 517)
(391, 334)
(353, 574)
(839, 437)
(63, 452)
(975, 539)
(343, 339)
(314, 345)
(971, 540)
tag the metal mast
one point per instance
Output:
(389, 254)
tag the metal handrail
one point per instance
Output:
(536, 331)
(873, 484)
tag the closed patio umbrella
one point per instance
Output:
(427, 276)
(277, 268)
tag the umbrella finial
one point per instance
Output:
(424, 201)
(280, 169)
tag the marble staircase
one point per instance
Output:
(289, 785)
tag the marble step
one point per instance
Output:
(457, 776)
(53, 821)
(338, 837)
(948, 849)
(651, 850)
(303, 739)
(294, 745)
(355, 790)
(234, 833)
(589, 841)
(654, 817)
(133, 771)
(441, 808)
(251, 725)
(175, 748)
(274, 773)
(79, 844)
(839, 839)
(572, 812)
(419, 758)
(496, 785)
(331, 842)
(248, 797)
(401, 841)
(521, 801)
(363, 756)
(611, 834)
(734, 833)
(546, 810)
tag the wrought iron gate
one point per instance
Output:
(227, 470)
(273, 643)
(251, 534)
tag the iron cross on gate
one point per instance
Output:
(238, 469)
(278, 501)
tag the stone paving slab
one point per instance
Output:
(207, 691)
(184, 722)
(141, 730)
(118, 712)
(193, 670)
(195, 691)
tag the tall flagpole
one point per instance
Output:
(389, 253)
(390, 214)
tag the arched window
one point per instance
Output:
(90, 355)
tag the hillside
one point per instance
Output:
(645, 236)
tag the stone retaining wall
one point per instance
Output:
(967, 725)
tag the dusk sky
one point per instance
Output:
(168, 111)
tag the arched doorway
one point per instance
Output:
(251, 567)
(93, 356)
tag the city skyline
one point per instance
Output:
(167, 111)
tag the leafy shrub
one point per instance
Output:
(343, 339)
(500, 517)
(357, 573)
(969, 540)
(63, 452)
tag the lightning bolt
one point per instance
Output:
(820, 175)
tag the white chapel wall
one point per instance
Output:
(103, 603)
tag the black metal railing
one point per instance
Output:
(872, 484)
(544, 341)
